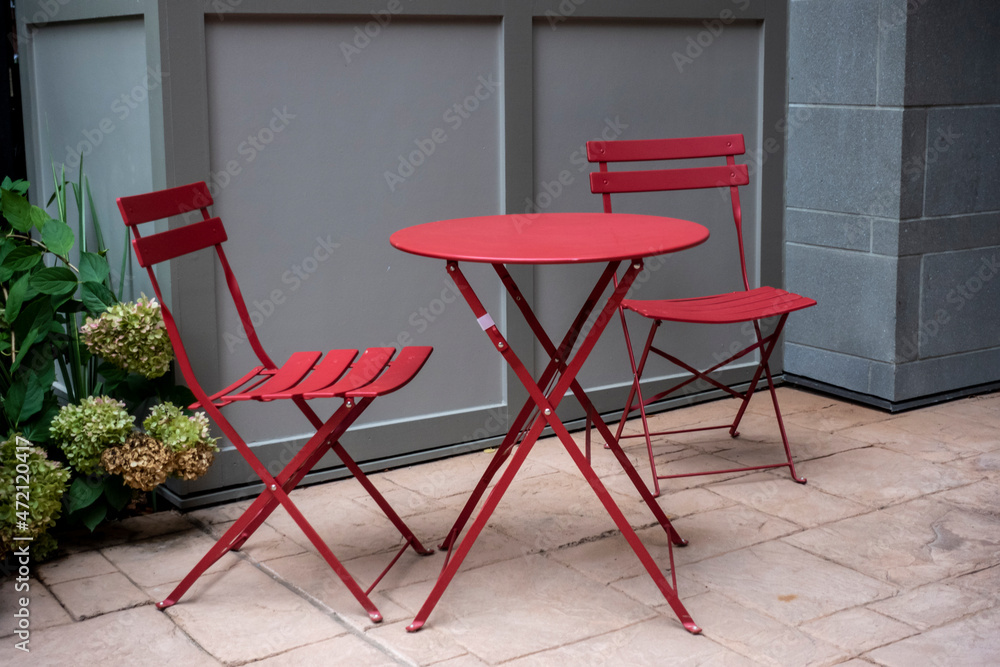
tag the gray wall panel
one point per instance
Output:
(632, 80)
(92, 103)
(350, 145)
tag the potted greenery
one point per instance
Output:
(77, 367)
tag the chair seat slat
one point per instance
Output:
(365, 369)
(326, 373)
(402, 369)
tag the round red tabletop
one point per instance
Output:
(550, 238)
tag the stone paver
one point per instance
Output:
(94, 596)
(910, 544)
(243, 615)
(890, 556)
(788, 584)
(141, 636)
(971, 642)
(44, 610)
(507, 610)
(933, 605)
(79, 566)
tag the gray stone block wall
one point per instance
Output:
(893, 195)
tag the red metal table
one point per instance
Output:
(551, 238)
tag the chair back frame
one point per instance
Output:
(731, 175)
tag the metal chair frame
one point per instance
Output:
(340, 374)
(748, 305)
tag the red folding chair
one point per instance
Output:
(339, 374)
(748, 305)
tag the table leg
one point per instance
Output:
(547, 404)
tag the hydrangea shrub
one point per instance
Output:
(85, 430)
(131, 336)
(49, 481)
(168, 423)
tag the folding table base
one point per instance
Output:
(565, 367)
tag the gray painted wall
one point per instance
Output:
(311, 121)
(893, 218)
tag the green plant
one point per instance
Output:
(85, 429)
(29, 512)
(52, 280)
(168, 423)
(132, 336)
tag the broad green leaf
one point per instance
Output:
(22, 258)
(83, 493)
(54, 280)
(24, 346)
(96, 297)
(92, 516)
(58, 237)
(18, 186)
(24, 399)
(39, 217)
(93, 268)
(20, 292)
(16, 209)
(117, 494)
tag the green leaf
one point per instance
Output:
(92, 516)
(39, 217)
(96, 297)
(21, 259)
(24, 399)
(18, 186)
(83, 493)
(24, 346)
(117, 494)
(93, 268)
(57, 236)
(20, 292)
(16, 209)
(54, 280)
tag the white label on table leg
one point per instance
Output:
(485, 321)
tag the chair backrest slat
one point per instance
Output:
(665, 149)
(730, 175)
(156, 248)
(655, 180)
(138, 209)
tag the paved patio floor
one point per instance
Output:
(890, 555)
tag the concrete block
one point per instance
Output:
(960, 302)
(962, 161)
(834, 230)
(833, 51)
(957, 371)
(891, 52)
(914, 158)
(846, 161)
(953, 52)
(856, 301)
(922, 236)
(840, 370)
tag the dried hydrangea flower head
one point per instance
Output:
(85, 430)
(131, 336)
(143, 462)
